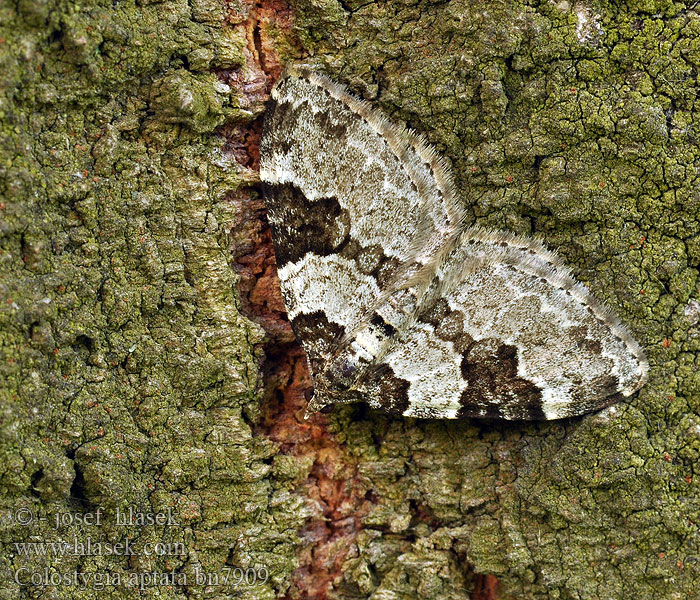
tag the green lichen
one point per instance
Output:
(129, 379)
(578, 123)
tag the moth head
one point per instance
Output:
(315, 403)
(333, 386)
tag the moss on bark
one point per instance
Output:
(578, 123)
(131, 380)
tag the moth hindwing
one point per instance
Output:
(395, 302)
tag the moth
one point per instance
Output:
(396, 302)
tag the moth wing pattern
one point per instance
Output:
(414, 313)
(505, 331)
(333, 169)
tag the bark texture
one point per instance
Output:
(132, 237)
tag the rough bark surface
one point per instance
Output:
(132, 237)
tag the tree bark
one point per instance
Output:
(147, 365)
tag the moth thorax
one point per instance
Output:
(341, 374)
